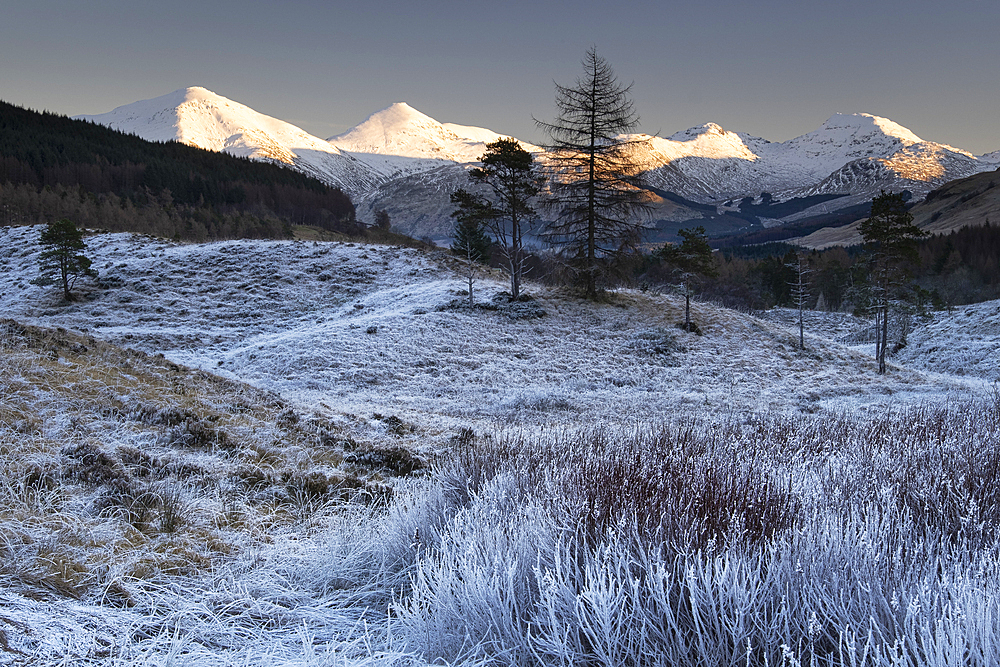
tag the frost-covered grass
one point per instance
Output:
(605, 489)
(767, 540)
(129, 481)
(961, 342)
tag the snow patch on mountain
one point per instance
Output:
(705, 141)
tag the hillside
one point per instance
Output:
(52, 167)
(963, 342)
(355, 328)
(127, 479)
(964, 202)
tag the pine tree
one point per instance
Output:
(595, 181)
(509, 173)
(63, 261)
(691, 261)
(470, 240)
(890, 240)
(382, 220)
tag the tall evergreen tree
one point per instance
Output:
(595, 183)
(890, 239)
(63, 260)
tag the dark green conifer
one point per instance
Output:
(63, 260)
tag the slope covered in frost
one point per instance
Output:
(360, 328)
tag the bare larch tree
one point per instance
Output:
(595, 179)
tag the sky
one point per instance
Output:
(772, 68)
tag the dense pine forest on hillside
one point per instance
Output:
(52, 167)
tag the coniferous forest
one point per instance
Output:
(55, 167)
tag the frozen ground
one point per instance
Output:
(963, 342)
(349, 335)
(348, 328)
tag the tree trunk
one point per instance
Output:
(878, 331)
(64, 271)
(687, 310)
(885, 340)
(591, 203)
(515, 257)
(802, 332)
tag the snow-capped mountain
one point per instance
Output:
(404, 161)
(399, 140)
(851, 154)
(201, 118)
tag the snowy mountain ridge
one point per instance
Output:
(401, 152)
(201, 118)
(855, 154)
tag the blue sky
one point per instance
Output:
(775, 68)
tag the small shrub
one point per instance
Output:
(128, 501)
(40, 478)
(658, 342)
(690, 328)
(173, 510)
(196, 434)
(287, 417)
(398, 461)
(88, 463)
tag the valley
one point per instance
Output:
(520, 335)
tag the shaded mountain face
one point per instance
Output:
(407, 163)
(963, 202)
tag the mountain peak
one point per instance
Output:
(384, 129)
(399, 130)
(698, 131)
(862, 125)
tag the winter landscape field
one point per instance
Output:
(314, 453)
